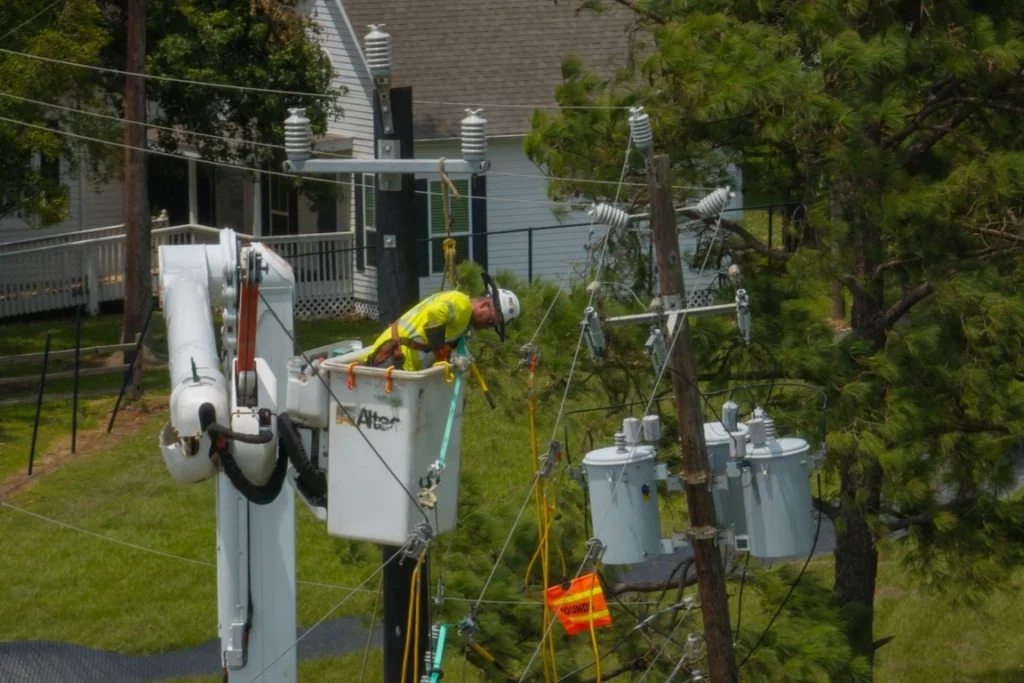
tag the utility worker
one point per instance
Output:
(429, 331)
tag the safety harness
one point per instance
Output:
(391, 350)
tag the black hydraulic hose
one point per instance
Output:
(290, 443)
(259, 494)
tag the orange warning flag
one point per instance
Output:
(580, 607)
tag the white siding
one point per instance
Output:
(341, 41)
(514, 203)
(92, 205)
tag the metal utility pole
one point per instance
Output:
(397, 282)
(696, 471)
(138, 246)
(397, 594)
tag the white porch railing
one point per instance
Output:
(38, 277)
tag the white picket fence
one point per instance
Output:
(87, 267)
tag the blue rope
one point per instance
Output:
(435, 674)
(451, 411)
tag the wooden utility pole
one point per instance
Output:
(397, 281)
(714, 601)
(138, 247)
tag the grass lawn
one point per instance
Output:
(64, 585)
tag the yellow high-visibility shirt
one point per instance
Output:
(452, 309)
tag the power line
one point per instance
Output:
(497, 105)
(592, 181)
(30, 19)
(238, 167)
(179, 131)
(167, 79)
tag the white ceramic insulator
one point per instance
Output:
(298, 135)
(713, 204)
(640, 129)
(474, 136)
(606, 214)
(377, 47)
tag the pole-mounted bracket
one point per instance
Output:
(656, 316)
(389, 150)
(702, 533)
(695, 478)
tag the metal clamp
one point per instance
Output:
(743, 313)
(530, 355)
(595, 550)
(550, 460)
(468, 625)
(418, 540)
(428, 484)
(694, 478)
(702, 533)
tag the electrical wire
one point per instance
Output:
(494, 105)
(504, 547)
(167, 79)
(179, 131)
(31, 19)
(537, 176)
(369, 634)
(792, 588)
(344, 410)
(324, 618)
(223, 164)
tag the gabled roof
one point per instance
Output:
(488, 51)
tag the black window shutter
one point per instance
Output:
(478, 209)
(357, 197)
(422, 214)
(265, 204)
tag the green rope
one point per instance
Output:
(435, 675)
(451, 411)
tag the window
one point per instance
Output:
(280, 199)
(462, 226)
(370, 219)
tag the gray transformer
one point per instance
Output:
(625, 516)
(727, 491)
(777, 496)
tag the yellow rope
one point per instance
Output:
(450, 273)
(544, 519)
(414, 609)
(593, 636)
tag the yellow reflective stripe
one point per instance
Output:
(576, 597)
(591, 617)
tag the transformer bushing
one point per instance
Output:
(474, 136)
(714, 203)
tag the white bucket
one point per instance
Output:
(406, 426)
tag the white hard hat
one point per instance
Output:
(506, 304)
(509, 304)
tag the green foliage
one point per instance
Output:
(896, 125)
(70, 31)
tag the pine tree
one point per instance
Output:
(893, 123)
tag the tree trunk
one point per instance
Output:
(138, 241)
(856, 555)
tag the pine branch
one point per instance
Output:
(1001, 234)
(738, 230)
(928, 141)
(895, 140)
(923, 518)
(634, 665)
(646, 14)
(989, 104)
(686, 578)
(894, 263)
(906, 302)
